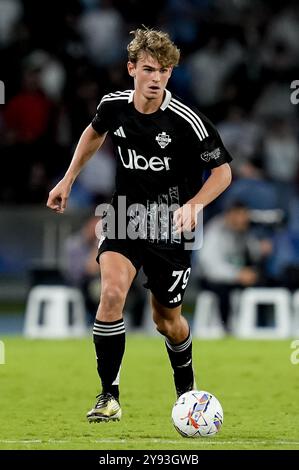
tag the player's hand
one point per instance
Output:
(57, 200)
(185, 218)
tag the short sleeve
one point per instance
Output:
(100, 122)
(208, 144)
(212, 152)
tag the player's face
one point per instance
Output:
(150, 77)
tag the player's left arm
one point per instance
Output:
(212, 155)
(185, 217)
(219, 179)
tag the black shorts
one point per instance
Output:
(167, 270)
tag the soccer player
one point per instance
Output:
(162, 146)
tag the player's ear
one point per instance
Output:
(131, 69)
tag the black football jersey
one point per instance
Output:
(161, 156)
(155, 152)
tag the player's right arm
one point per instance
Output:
(90, 141)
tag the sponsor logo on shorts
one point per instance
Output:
(178, 298)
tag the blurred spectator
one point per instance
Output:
(281, 152)
(294, 212)
(275, 101)
(285, 27)
(230, 258)
(11, 13)
(28, 119)
(102, 30)
(252, 188)
(210, 66)
(52, 74)
(284, 263)
(27, 115)
(240, 134)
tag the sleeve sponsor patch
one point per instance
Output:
(213, 155)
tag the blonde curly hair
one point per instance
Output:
(155, 43)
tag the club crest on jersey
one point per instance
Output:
(163, 139)
(207, 156)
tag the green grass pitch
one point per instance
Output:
(46, 388)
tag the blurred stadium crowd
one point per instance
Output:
(239, 58)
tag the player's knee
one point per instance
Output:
(163, 326)
(112, 297)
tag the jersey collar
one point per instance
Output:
(164, 104)
(166, 100)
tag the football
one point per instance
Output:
(197, 414)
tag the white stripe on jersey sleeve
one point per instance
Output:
(184, 116)
(190, 111)
(115, 98)
(118, 95)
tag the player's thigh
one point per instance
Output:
(167, 274)
(117, 271)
